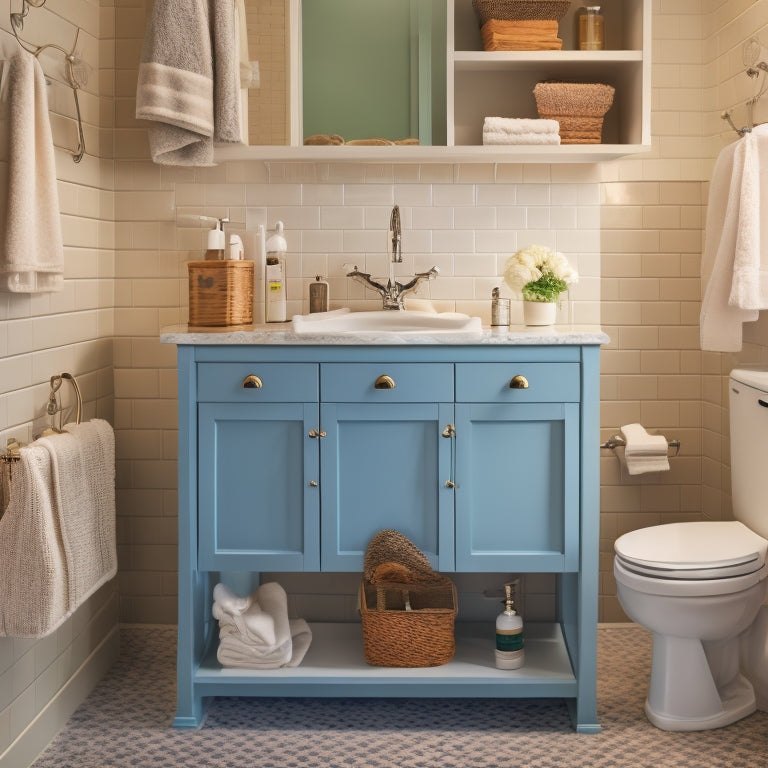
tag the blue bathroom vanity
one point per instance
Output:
(295, 451)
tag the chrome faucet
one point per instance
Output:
(393, 293)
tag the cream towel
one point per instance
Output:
(520, 125)
(32, 257)
(83, 481)
(255, 632)
(33, 585)
(189, 80)
(749, 288)
(500, 137)
(720, 322)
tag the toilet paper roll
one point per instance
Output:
(643, 452)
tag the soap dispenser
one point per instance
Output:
(274, 278)
(510, 651)
(217, 242)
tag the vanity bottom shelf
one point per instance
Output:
(335, 666)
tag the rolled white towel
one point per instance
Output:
(520, 125)
(499, 138)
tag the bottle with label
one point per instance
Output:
(510, 650)
(274, 277)
(318, 295)
(591, 28)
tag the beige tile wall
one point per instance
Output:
(42, 335)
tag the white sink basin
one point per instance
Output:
(345, 322)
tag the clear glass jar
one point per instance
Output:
(591, 29)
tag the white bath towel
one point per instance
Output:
(33, 585)
(189, 80)
(32, 254)
(501, 138)
(749, 288)
(248, 640)
(643, 452)
(83, 481)
(520, 125)
(720, 322)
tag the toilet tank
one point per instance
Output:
(748, 397)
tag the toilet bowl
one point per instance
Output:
(697, 623)
(701, 587)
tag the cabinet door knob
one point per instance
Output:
(313, 483)
(316, 433)
(450, 484)
(252, 381)
(518, 382)
(384, 382)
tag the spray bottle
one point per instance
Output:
(274, 279)
(510, 652)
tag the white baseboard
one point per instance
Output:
(31, 742)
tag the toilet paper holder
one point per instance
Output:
(617, 441)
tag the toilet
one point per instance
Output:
(701, 587)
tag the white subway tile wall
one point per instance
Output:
(632, 227)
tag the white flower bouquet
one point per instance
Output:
(539, 273)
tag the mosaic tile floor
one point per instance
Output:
(126, 723)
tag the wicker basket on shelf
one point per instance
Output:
(520, 10)
(220, 293)
(407, 609)
(578, 107)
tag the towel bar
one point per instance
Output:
(618, 441)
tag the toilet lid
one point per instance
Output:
(702, 550)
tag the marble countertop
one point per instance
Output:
(282, 334)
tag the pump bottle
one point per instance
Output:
(274, 278)
(510, 651)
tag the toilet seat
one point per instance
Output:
(692, 551)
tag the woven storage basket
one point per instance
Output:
(392, 635)
(578, 107)
(520, 10)
(220, 293)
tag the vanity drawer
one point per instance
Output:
(257, 382)
(517, 382)
(397, 382)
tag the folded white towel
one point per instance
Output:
(498, 138)
(255, 632)
(520, 125)
(720, 322)
(749, 288)
(32, 253)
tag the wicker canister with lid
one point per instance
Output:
(578, 107)
(220, 293)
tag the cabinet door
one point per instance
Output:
(385, 466)
(517, 492)
(257, 507)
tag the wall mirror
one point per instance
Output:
(361, 71)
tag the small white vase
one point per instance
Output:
(539, 312)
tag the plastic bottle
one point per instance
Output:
(591, 29)
(510, 651)
(217, 242)
(274, 278)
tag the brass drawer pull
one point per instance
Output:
(252, 382)
(518, 382)
(384, 382)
